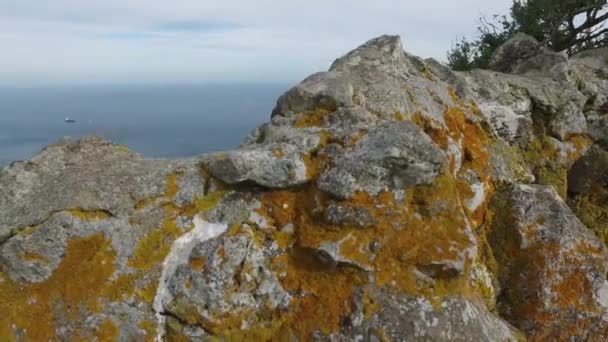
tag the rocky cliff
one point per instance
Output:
(388, 199)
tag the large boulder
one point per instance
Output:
(523, 53)
(552, 269)
(387, 198)
(390, 157)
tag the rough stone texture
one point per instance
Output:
(522, 53)
(388, 198)
(598, 128)
(590, 67)
(348, 216)
(551, 267)
(587, 170)
(222, 279)
(567, 122)
(266, 167)
(391, 156)
(409, 318)
(89, 175)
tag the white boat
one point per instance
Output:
(68, 120)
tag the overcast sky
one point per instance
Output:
(58, 41)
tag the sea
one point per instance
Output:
(157, 121)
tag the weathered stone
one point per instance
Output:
(587, 170)
(217, 280)
(589, 67)
(410, 318)
(598, 128)
(345, 215)
(263, 166)
(88, 175)
(390, 157)
(550, 266)
(567, 122)
(326, 90)
(516, 50)
(361, 211)
(523, 53)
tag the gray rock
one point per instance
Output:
(411, 318)
(569, 121)
(345, 215)
(261, 165)
(597, 128)
(522, 53)
(223, 277)
(589, 68)
(391, 157)
(587, 170)
(196, 249)
(46, 245)
(520, 48)
(326, 90)
(89, 175)
(549, 261)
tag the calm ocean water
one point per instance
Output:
(156, 121)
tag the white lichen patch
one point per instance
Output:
(179, 254)
(602, 298)
(506, 121)
(479, 196)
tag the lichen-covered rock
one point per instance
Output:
(348, 216)
(523, 53)
(588, 170)
(551, 267)
(410, 318)
(273, 168)
(87, 175)
(590, 67)
(568, 121)
(388, 198)
(85, 227)
(391, 156)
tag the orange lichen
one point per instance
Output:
(33, 257)
(325, 293)
(89, 215)
(592, 210)
(428, 228)
(370, 307)
(107, 332)
(314, 165)
(278, 153)
(546, 279)
(356, 137)
(455, 98)
(196, 264)
(315, 118)
(153, 248)
(172, 186)
(432, 128)
(399, 117)
(279, 206)
(150, 328)
(283, 239)
(73, 288)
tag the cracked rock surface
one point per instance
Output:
(387, 199)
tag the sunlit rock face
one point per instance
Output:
(387, 199)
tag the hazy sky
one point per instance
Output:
(52, 41)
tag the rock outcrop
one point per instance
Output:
(388, 199)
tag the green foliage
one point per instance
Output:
(461, 55)
(564, 25)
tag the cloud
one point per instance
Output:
(231, 40)
(197, 26)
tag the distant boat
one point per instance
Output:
(68, 120)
